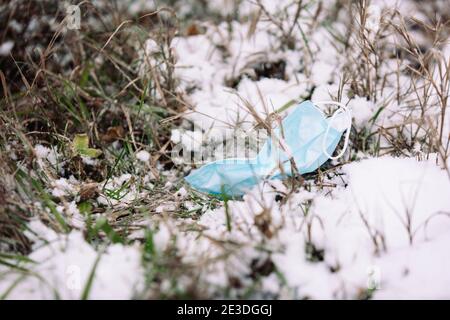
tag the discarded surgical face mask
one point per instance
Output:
(302, 143)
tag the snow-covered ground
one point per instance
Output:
(375, 225)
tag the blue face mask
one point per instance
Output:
(305, 138)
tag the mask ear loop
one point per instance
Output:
(342, 109)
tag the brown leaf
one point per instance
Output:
(113, 133)
(88, 191)
(192, 30)
(95, 103)
(263, 222)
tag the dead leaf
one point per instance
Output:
(113, 133)
(88, 191)
(192, 30)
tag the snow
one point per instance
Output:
(165, 207)
(6, 47)
(123, 195)
(322, 72)
(362, 111)
(89, 161)
(64, 265)
(143, 156)
(190, 140)
(375, 197)
(41, 151)
(420, 272)
(383, 193)
(181, 193)
(62, 187)
(202, 66)
(402, 190)
(71, 210)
